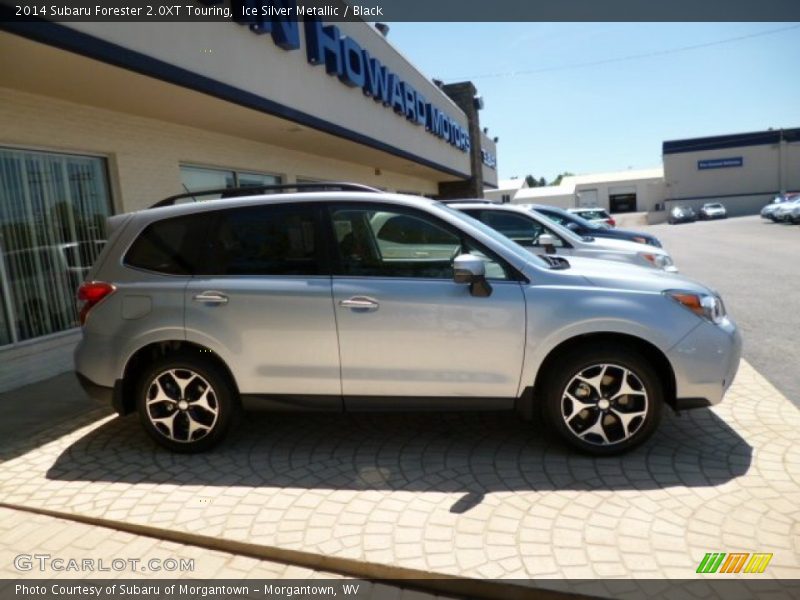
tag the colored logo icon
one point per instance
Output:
(734, 562)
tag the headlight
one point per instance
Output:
(659, 261)
(703, 305)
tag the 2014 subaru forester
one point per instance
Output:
(346, 301)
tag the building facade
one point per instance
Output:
(634, 190)
(743, 171)
(101, 118)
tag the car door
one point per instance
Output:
(262, 300)
(408, 334)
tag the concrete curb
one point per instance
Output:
(425, 581)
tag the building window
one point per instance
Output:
(506, 198)
(200, 178)
(53, 209)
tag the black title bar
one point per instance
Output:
(400, 10)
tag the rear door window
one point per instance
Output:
(265, 240)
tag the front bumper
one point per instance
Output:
(705, 363)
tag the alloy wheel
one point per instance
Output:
(181, 405)
(604, 404)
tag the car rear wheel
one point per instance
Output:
(603, 400)
(186, 404)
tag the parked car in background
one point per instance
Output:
(540, 235)
(288, 302)
(768, 211)
(712, 210)
(783, 213)
(681, 214)
(794, 217)
(577, 224)
(595, 214)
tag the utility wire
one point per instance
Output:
(626, 58)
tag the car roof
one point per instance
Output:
(163, 212)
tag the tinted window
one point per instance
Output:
(169, 246)
(396, 243)
(518, 228)
(403, 229)
(264, 240)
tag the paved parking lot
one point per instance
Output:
(755, 265)
(483, 496)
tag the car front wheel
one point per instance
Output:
(603, 400)
(186, 403)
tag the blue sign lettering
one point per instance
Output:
(322, 46)
(489, 159)
(347, 60)
(720, 163)
(376, 83)
(353, 73)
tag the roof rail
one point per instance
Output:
(467, 201)
(250, 190)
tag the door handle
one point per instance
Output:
(211, 297)
(360, 302)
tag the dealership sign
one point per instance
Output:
(353, 65)
(720, 163)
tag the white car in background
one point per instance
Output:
(540, 235)
(768, 212)
(595, 214)
(785, 209)
(712, 210)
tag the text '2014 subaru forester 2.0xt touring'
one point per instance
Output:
(353, 300)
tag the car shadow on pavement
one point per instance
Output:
(469, 453)
(41, 412)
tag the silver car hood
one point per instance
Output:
(622, 276)
(615, 244)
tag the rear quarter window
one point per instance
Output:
(171, 246)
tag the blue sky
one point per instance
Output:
(611, 116)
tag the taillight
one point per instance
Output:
(90, 294)
(611, 222)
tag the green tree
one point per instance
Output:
(557, 180)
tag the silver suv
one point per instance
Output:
(346, 301)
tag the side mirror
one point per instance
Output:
(470, 269)
(548, 242)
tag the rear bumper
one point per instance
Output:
(107, 396)
(705, 363)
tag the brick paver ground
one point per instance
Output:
(41, 535)
(478, 495)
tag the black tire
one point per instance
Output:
(649, 401)
(163, 376)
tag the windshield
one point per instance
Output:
(498, 237)
(558, 229)
(562, 217)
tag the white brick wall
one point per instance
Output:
(143, 159)
(36, 360)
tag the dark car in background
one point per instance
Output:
(681, 214)
(582, 227)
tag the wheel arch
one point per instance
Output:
(652, 353)
(148, 353)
